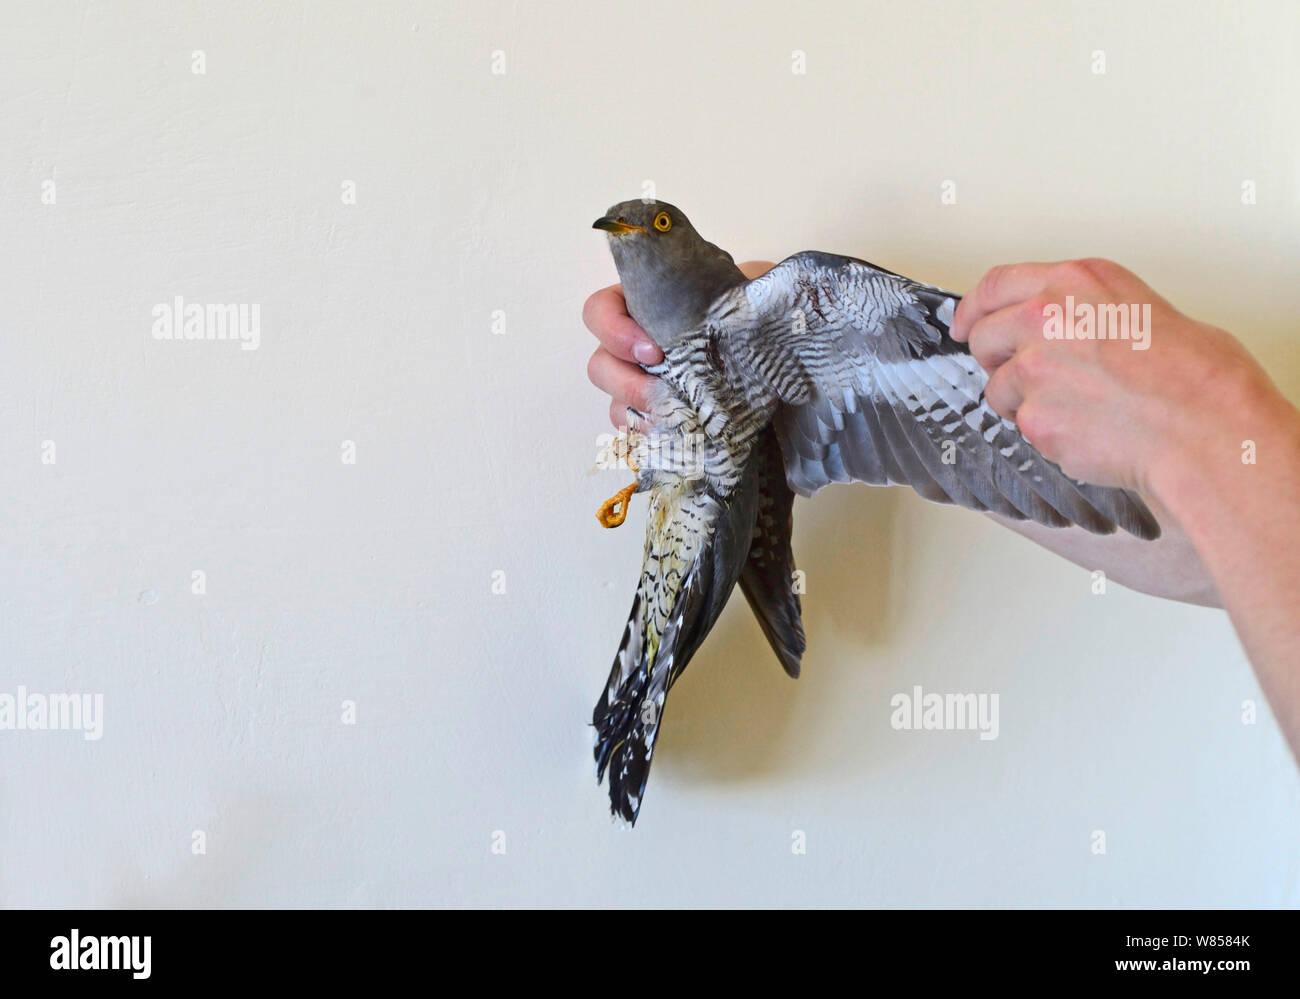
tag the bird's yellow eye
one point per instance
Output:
(663, 222)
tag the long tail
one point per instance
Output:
(615, 714)
(649, 659)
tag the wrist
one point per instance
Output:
(1233, 467)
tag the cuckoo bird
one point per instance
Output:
(825, 369)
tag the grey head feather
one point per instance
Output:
(670, 276)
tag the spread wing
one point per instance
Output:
(872, 389)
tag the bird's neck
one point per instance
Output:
(669, 299)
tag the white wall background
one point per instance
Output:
(371, 582)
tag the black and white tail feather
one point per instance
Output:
(696, 549)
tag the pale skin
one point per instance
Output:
(1192, 423)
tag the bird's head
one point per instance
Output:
(666, 222)
(670, 274)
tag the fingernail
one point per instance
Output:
(646, 352)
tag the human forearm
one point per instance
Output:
(1168, 567)
(1244, 518)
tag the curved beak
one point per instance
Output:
(615, 227)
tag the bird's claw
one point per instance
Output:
(613, 511)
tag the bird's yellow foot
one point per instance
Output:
(614, 510)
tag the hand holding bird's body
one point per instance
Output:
(824, 369)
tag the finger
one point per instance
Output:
(605, 314)
(996, 337)
(1004, 391)
(624, 381)
(618, 414)
(1000, 287)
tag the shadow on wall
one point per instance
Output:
(731, 716)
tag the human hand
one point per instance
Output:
(1114, 412)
